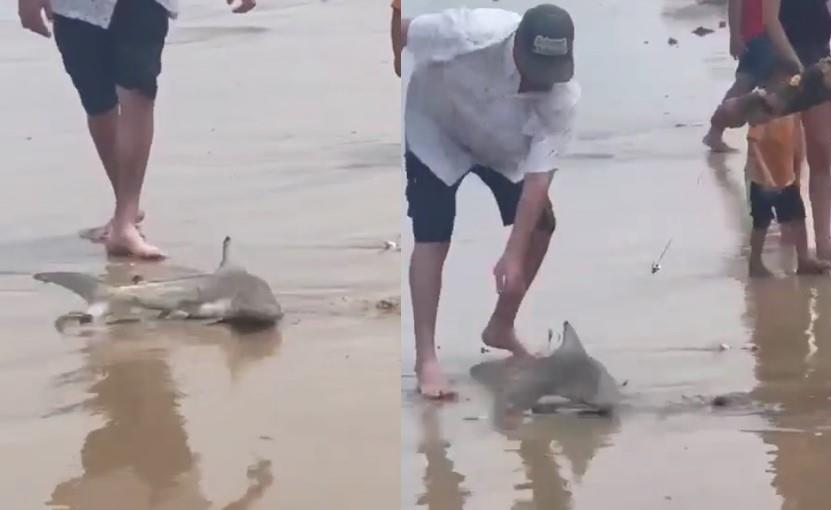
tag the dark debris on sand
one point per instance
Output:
(672, 41)
(702, 31)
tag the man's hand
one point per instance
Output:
(737, 47)
(31, 14)
(510, 275)
(243, 7)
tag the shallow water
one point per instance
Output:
(303, 178)
(640, 178)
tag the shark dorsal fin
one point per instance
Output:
(226, 252)
(571, 346)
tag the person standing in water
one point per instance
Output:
(492, 93)
(774, 163)
(799, 31)
(112, 51)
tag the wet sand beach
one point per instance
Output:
(637, 177)
(279, 128)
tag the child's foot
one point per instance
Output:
(813, 266)
(758, 270)
(716, 144)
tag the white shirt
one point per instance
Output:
(100, 12)
(463, 107)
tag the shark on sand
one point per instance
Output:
(229, 295)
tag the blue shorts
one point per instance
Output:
(758, 59)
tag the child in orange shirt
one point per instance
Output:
(395, 33)
(774, 162)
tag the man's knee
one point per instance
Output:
(547, 222)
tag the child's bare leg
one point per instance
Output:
(806, 264)
(757, 268)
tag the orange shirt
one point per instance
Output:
(396, 4)
(776, 141)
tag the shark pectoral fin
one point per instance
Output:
(86, 286)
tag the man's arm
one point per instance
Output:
(776, 32)
(31, 14)
(396, 33)
(799, 150)
(510, 271)
(734, 20)
(759, 164)
(805, 91)
(531, 204)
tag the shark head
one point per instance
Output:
(570, 373)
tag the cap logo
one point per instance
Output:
(550, 47)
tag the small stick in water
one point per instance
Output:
(656, 266)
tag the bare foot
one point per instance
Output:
(431, 382)
(758, 270)
(500, 337)
(100, 234)
(130, 243)
(716, 144)
(813, 266)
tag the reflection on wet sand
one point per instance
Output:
(140, 458)
(791, 331)
(545, 442)
(442, 484)
(545, 445)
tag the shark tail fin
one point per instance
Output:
(86, 286)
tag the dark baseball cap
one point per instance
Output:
(544, 46)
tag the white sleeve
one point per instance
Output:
(552, 130)
(547, 148)
(444, 35)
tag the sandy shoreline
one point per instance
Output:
(254, 142)
(637, 177)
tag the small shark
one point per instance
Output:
(570, 373)
(229, 295)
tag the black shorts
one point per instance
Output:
(431, 204)
(786, 203)
(757, 59)
(127, 54)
